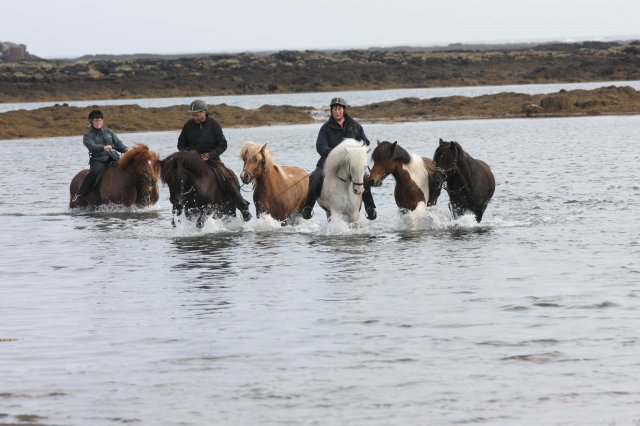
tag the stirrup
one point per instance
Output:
(307, 212)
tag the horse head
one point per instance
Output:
(175, 173)
(257, 160)
(144, 166)
(447, 156)
(387, 157)
(348, 163)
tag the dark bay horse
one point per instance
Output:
(417, 178)
(279, 191)
(132, 179)
(194, 188)
(469, 182)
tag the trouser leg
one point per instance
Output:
(315, 188)
(95, 168)
(231, 186)
(367, 199)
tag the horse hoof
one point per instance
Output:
(246, 215)
(307, 212)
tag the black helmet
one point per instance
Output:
(197, 106)
(338, 101)
(96, 113)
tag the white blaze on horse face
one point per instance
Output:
(418, 174)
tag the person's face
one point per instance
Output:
(199, 116)
(97, 123)
(338, 112)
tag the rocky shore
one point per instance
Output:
(312, 71)
(67, 121)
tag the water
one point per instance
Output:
(530, 317)
(319, 100)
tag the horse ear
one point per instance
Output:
(378, 141)
(395, 143)
(263, 148)
(441, 142)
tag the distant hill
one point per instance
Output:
(146, 75)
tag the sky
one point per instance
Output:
(71, 28)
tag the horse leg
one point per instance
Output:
(176, 211)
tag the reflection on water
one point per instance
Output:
(209, 255)
(119, 317)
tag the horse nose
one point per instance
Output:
(245, 176)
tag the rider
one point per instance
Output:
(203, 134)
(339, 126)
(102, 144)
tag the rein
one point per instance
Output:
(282, 192)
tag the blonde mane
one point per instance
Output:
(256, 153)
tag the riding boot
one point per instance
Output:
(367, 199)
(315, 187)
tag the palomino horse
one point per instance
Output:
(470, 183)
(132, 179)
(279, 191)
(194, 188)
(418, 181)
(343, 186)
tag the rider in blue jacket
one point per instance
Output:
(339, 126)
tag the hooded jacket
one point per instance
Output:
(331, 134)
(203, 137)
(96, 139)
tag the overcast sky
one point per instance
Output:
(71, 28)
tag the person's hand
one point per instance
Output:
(108, 148)
(204, 156)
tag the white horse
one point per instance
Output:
(343, 185)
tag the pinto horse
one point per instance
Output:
(194, 188)
(343, 186)
(279, 191)
(418, 180)
(132, 179)
(469, 182)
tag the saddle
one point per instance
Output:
(219, 170)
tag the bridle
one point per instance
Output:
(353, 184)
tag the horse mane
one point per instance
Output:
(257, 153)
(349, 151)
(390, 151)
(137, 154)
(187, 160)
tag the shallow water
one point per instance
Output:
(531, 317)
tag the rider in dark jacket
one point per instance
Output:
(203, 134)
(339, 126)
(102, 144)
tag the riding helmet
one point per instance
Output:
(197, 106)
(96, 113)
(338, 101)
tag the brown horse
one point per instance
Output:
(470, 183)
(194, 188)
(132, 179)
(417, 178)
(279, 191)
